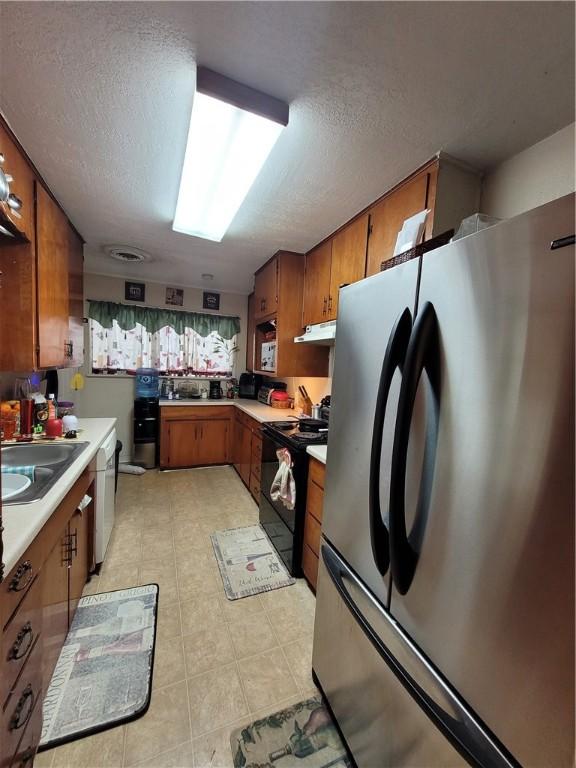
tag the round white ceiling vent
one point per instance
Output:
(127, 254)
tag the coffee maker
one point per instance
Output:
(215, 391)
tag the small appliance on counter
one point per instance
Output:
(215, 391)
(249, 385)
(266, 390)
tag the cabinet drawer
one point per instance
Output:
(177, 412)
(19, 637)
(312, 531)
(255, 487)
(24, 755)
(15, 586)
(314, 500)
(21, 704)
(310, 565)
(316, 472)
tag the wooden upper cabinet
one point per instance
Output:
(22, 185)
(387, 217)
(317, 284)
(266, 289)
(52, 245)
(250, 331)
(348, 259)
(75, 298)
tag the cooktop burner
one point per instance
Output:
(292, 433)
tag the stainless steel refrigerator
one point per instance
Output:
(444, 629)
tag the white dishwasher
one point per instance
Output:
(105, 501)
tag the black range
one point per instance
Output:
(285, 527)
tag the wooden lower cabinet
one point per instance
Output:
(248, 452)
(313, 521)
(37, 601)
(195, 436)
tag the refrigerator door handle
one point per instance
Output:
(423, 354)
(429, 690)
(393, 359)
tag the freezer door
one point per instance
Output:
(392, 708)
(489, 575)
(374, 318)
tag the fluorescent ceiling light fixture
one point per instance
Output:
(232, 131)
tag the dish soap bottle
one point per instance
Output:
(52, 413)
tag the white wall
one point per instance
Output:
(539, 174)
(114, 396)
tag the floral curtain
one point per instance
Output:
(200, 350)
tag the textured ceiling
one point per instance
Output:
(100, 95)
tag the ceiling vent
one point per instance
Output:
(127, 254)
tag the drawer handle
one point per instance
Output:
(23, 569)
(20, 647)
(23, 710)
(27, 757)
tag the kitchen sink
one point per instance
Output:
(50, 461)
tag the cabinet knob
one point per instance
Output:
(22, 643)
(23, 709)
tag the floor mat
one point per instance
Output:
(304, 731)
(103, 676)
(248, 562)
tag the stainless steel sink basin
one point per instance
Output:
(50, 459)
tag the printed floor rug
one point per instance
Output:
(103, 676)
(303, 734)
(248, 562)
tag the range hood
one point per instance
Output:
(322, 333)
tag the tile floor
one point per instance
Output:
(218, 663)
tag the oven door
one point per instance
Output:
(285, 527)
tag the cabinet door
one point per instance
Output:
(52, 261)
(317, 284)
(213, 442)
(237, 443)
(79, 550)
(245, 454)
(266, 290)
(55, 573)
(250, 331)
(16, 165)
(387, 217)
(348, 260)
(75, 299)
(182, 440)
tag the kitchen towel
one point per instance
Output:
(27, 470)
(283, 486)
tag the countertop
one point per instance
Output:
(253, 408)
(318, 452)
(22, 522)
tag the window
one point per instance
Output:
(124, 337)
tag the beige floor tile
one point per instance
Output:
(271, 709)
(115, 576)
(299, 657)
(164, 726)
(123, 547)
(216, 699)
(196, 580)
(207, 648)
(154, 515)
(251, 634)
(201, 611)
(168, 622)
(44, 759)
(266, 679)
(295, 595)
(163, 573)
(179, 757)
(157, 543)
(292, 623)
(235, 609)
(168, 661)
(213, 750)
(104, 750)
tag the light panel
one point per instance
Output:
(226, 148)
